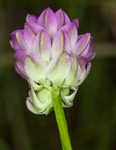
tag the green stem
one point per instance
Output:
(61, 120)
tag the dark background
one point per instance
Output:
(92, 119)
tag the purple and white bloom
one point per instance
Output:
(49, 52)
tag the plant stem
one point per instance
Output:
(61, 120)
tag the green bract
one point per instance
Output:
(61, 74)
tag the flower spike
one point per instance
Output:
(50, 53)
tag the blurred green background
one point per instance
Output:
(92, 119)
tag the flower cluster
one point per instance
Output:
(49, 52)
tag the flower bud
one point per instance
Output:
(50, 53)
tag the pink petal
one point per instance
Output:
(82, 43)
(45, 45)
(20, 55)
(20, 39)
(82, 62)
(32, 22)
(29, 38)
(76, 21)
(88, 53)
(84, 65)
(67, 19)
(58, 44)
(83, 69)
(67, 44)
(71, 30)
(48, 20)
(14, 43)
(41, 18)
(60, 18)
(31, 18)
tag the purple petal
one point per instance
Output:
(20, 39)
(76, 21)
(84, 64)
(20, 55)
(88, 66)
(83, 69)
(41, 18)
(29, 38)
(88, 53)
(82, 61)
(14, 43)
(48, 20)
(82, 43)
(62, 18)
(66, 18)
(58, 44)
(32, 22)
(67, 44)
(31, 18)
(45, 45)
(71, 30)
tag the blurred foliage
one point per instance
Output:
(92, 119)
(3, 145)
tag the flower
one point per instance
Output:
(49, 52)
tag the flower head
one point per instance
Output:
(49, 52)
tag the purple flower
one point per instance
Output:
(49, 52)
